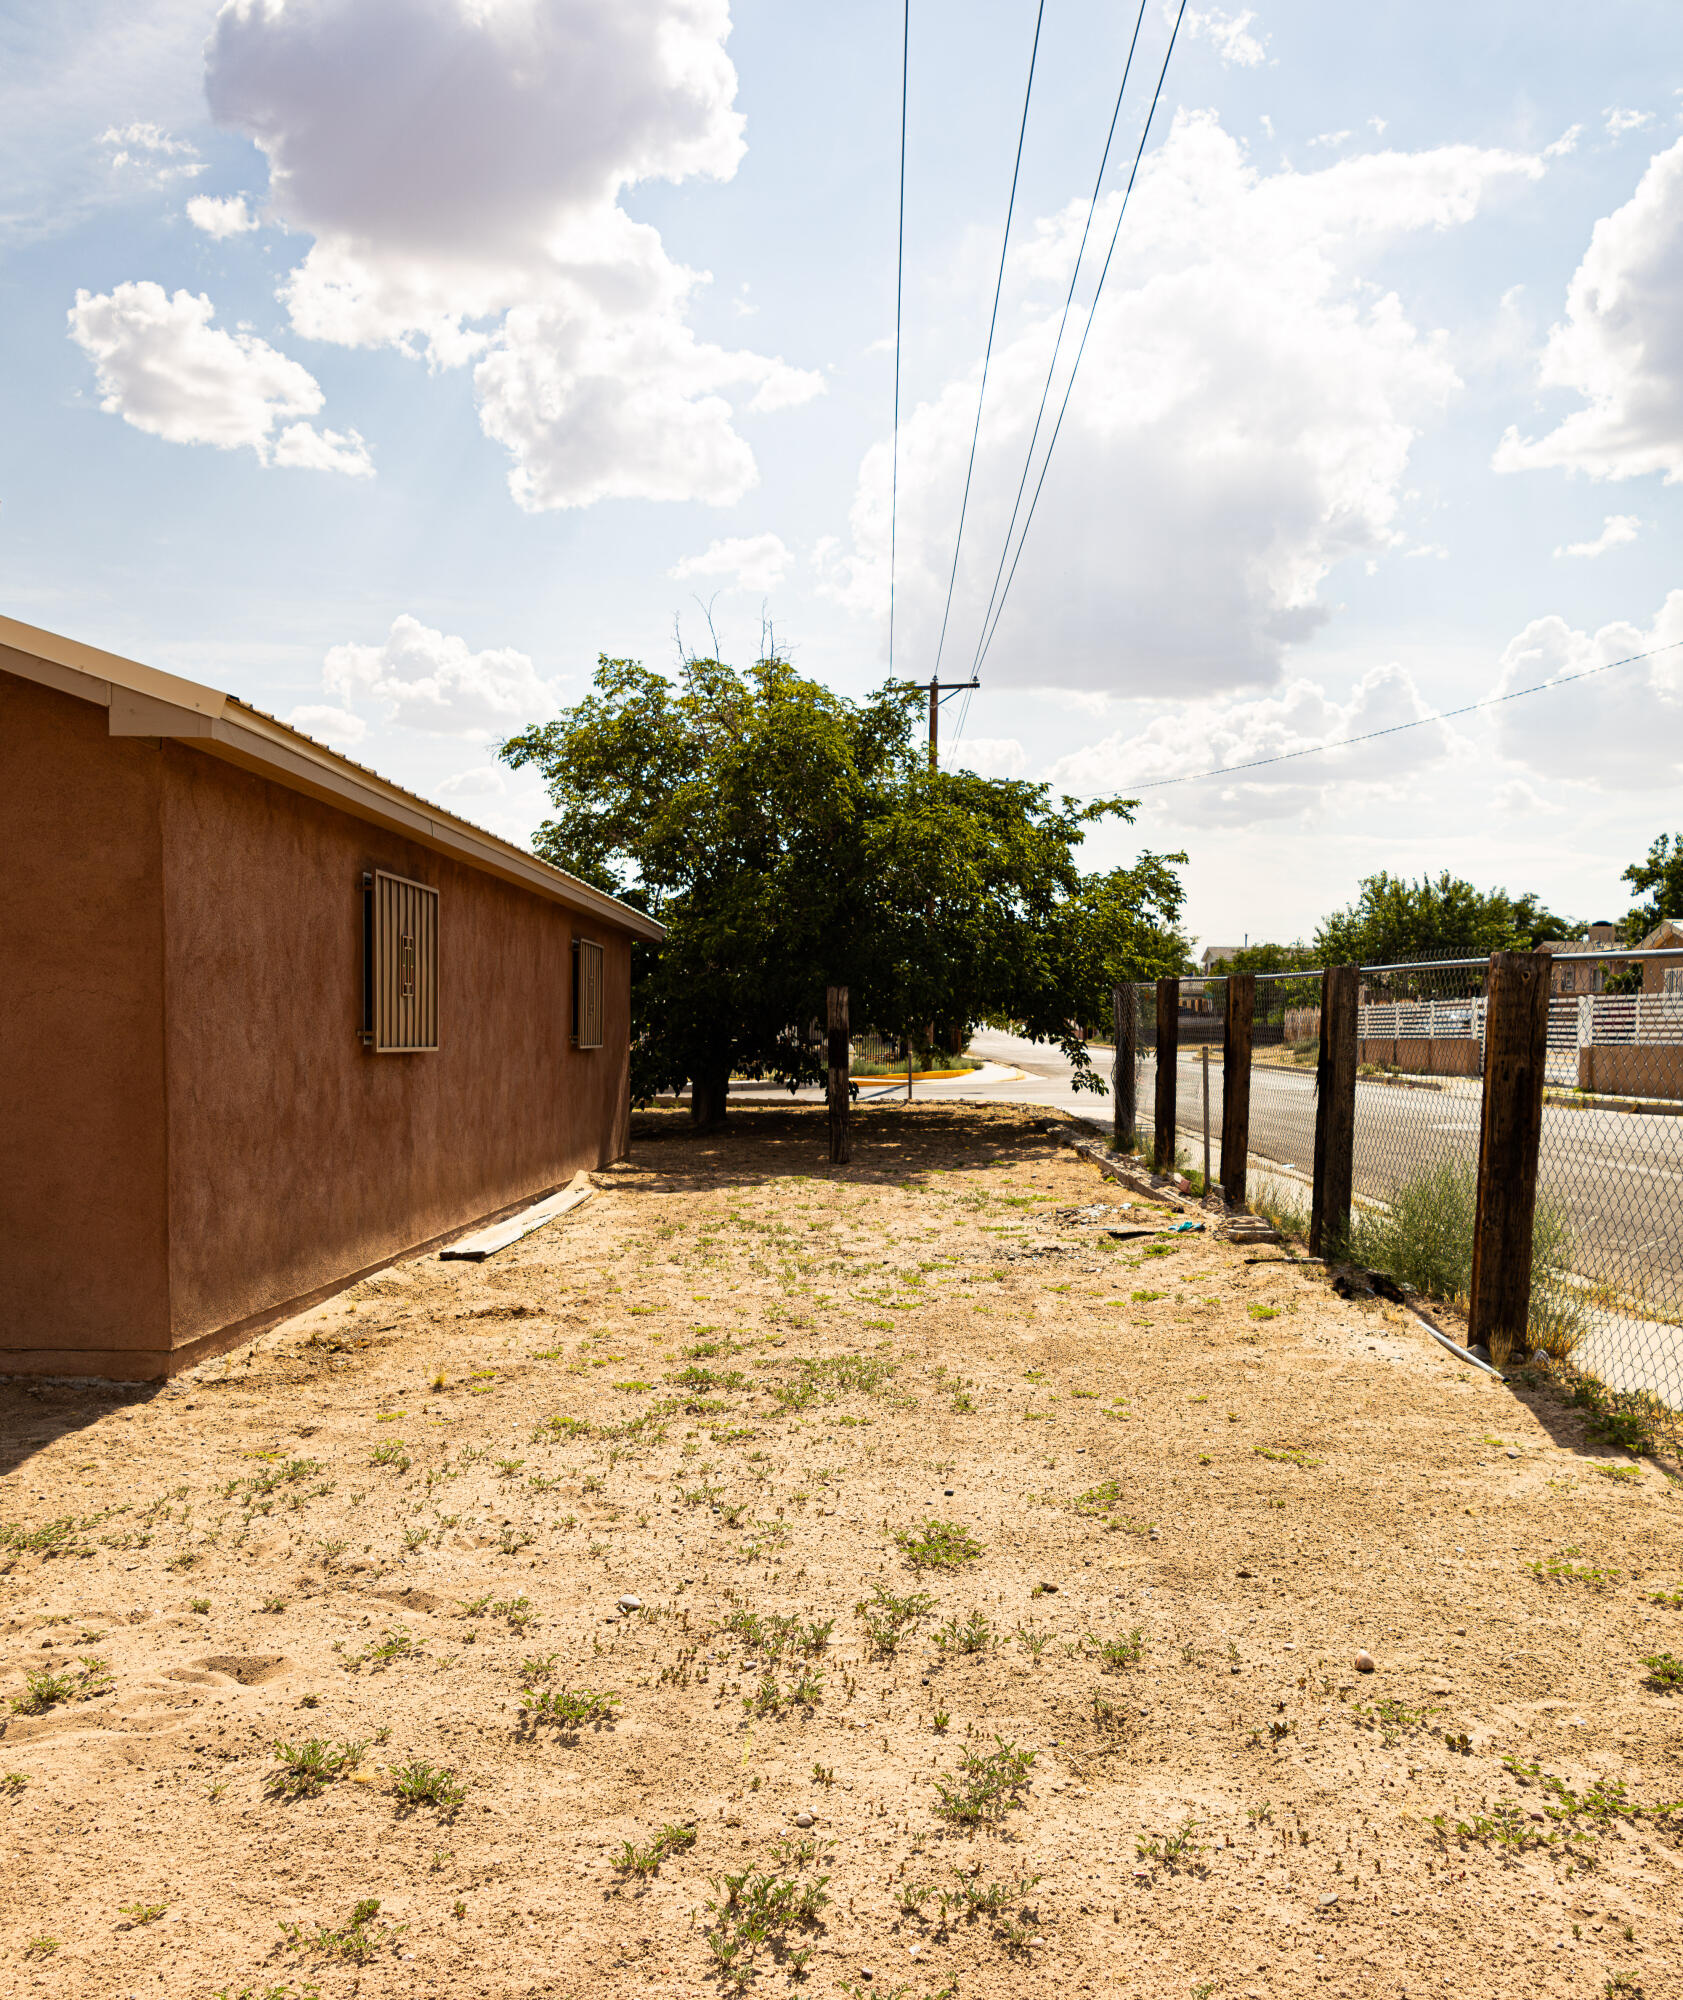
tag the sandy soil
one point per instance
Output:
(732, 1386)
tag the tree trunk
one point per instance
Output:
(707, 1097)
(840, 1089)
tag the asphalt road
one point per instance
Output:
(1618, 1178)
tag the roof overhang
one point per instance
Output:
(142, 701)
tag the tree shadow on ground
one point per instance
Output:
(893, 1146)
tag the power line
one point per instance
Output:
(1419, 722)
(993, 321)
(1092, 314)
(1063, 324)
(899, 293)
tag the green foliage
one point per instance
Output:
(938, 1545)
(1660, 876)
(53, 1538)
(986, 1785)
(357, 1942)
(44, 1689)
(421, 1784)
(1393, 919)
(567, 1711)
(753, 1909)
(634, 1860)
(788, 838)
(308, 1768)
(975, 1635)
(1424, 1239)
(1115, 1654)
(1173, 1850)
(887, 1618)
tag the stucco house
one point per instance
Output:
(269, 1021)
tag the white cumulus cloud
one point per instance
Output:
(163, 367)
(221, 216)
(1229, 34)
(752, 562)
(146, 155)
(1216, 462)
(1620, 346)
(330, 725)
(459, 164)
(987, 756)
(1620, 121)
(1622, 729)
(1615, 530)
(427, 679)
(1225, 736)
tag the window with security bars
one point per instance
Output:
(400, 965)
(587, 994)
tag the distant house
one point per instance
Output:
(1659, 975)
(1195, 995)
(270, 1021)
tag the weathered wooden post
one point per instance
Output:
(1516, 1041)
(1236, 1086)
(1335, 1112)
(841, 1135)
(1122, 1075)
(1168, 1056)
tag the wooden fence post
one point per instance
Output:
(1168, 1057)
(1122, 1076)
(1236, 1086)
(1335, 1112)
(841, 1136)
(1516, 1038)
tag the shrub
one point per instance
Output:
(1425, 1240)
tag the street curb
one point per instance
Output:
(1632, 1107)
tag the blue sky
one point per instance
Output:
(383, 361)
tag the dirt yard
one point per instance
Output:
(992, 1586)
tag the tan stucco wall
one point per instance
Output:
(1442, 1056)
(83, 1225)
(1646, 1069)
(214, 1105)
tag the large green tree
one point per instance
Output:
(789, 839)
(1659, 881)
(1393, 919)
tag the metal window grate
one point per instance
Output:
(400, 965)
(587, 994)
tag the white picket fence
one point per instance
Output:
(1583, 1021)
(1422, 1021)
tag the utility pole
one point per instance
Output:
(938, 688)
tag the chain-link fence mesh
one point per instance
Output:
(1607, 1291)
(1610, 1171)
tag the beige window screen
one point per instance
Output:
(400, 965)
(587, 994)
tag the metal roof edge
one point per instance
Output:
(225, 726)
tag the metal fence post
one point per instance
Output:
(1236, 1085)
(1335, 1112)
(841, 1136)
(1516, 1040)
(1122, 1076)
(1168, 1056)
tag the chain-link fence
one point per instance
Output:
(1607, 1290)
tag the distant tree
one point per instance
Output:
(1274, 996)
(789, 839)
(1661, 876)
(1266, 958)
(1393, 919)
